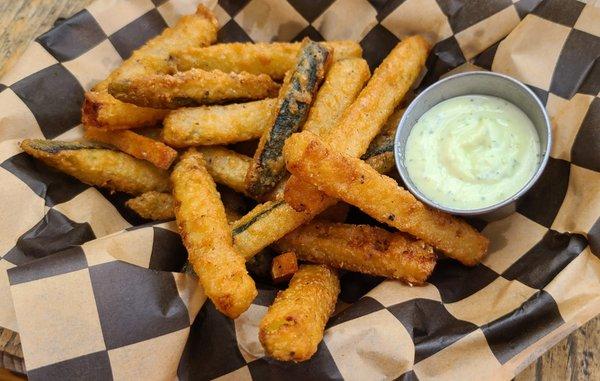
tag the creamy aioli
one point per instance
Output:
(472, 151)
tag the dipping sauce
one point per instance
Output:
(472, 151)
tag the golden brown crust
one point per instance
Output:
(154, 206)
(294, 101)
(192, 88)
(98, 166)
(294, 324)
(283, 267)
(101, 109)
(226, 167)
(273, 59)
(207, 237)
(211, 125)
(355, 182)
(135, 145)
(361, 248)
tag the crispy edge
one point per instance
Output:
(153, 206)
(95, 165)
(135, 145)
(293, 104)
(217, 124)
(192, 88)
(294, 324)
(283, 267)
(356, 183)
(361, 248)
(206, 234)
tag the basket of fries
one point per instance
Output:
(201, 190)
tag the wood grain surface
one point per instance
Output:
(577, 357)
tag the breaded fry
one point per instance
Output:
(355, 182)
(97, 165)
(380, 153)
(192, 88)
(101, 109)
(272, 225)
(363, 120)
(207, 237)
(273, 59)
(340, 88)
(335, 213)
(293, 103)
(153, 205)
(283, 267)
(157, 153)
(210, 125)
(226, 167)
(361, 248)
(293, 326)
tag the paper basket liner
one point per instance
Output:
(95, 293)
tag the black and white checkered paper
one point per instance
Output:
(95, 294)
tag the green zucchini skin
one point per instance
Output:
(295, 99)
(56, 146)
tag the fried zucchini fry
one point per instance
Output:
(273, 59)
(400, 67)
(344, 81)
(356, 183)
(157, 153)
(210, 125)
(294, 324)
(380, 153)
(226, 167)
(97, 165)
(153, 206)
(206, 235)
(283, 267)
(363, 120)
(361, 248)
(101, 109)
(293, 103)
(192, 88)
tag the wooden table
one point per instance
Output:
(575, 358)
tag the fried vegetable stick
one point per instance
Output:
(293, 103)
(361, 248)
(273, 59)
(206, 235)
(283, 267)
(344, 81)
(363, 120)
(294, 324)
(381, 151)
(226, 167)
(153, 206)
(210, 125)
(96, 165)
(157, 153)
(262, 225)
(101, 109)
(192, 88)
(355, 182)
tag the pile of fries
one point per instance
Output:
(158, 126)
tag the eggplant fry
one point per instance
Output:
(273, 59)
(139, 146)
(96, 165)
(293, 104)
(211, 125)
(361, 248)
(192, 88)
(206, 235)
(100, 109)
(355, 182)
(294, 324)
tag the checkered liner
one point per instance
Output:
(94, 294)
